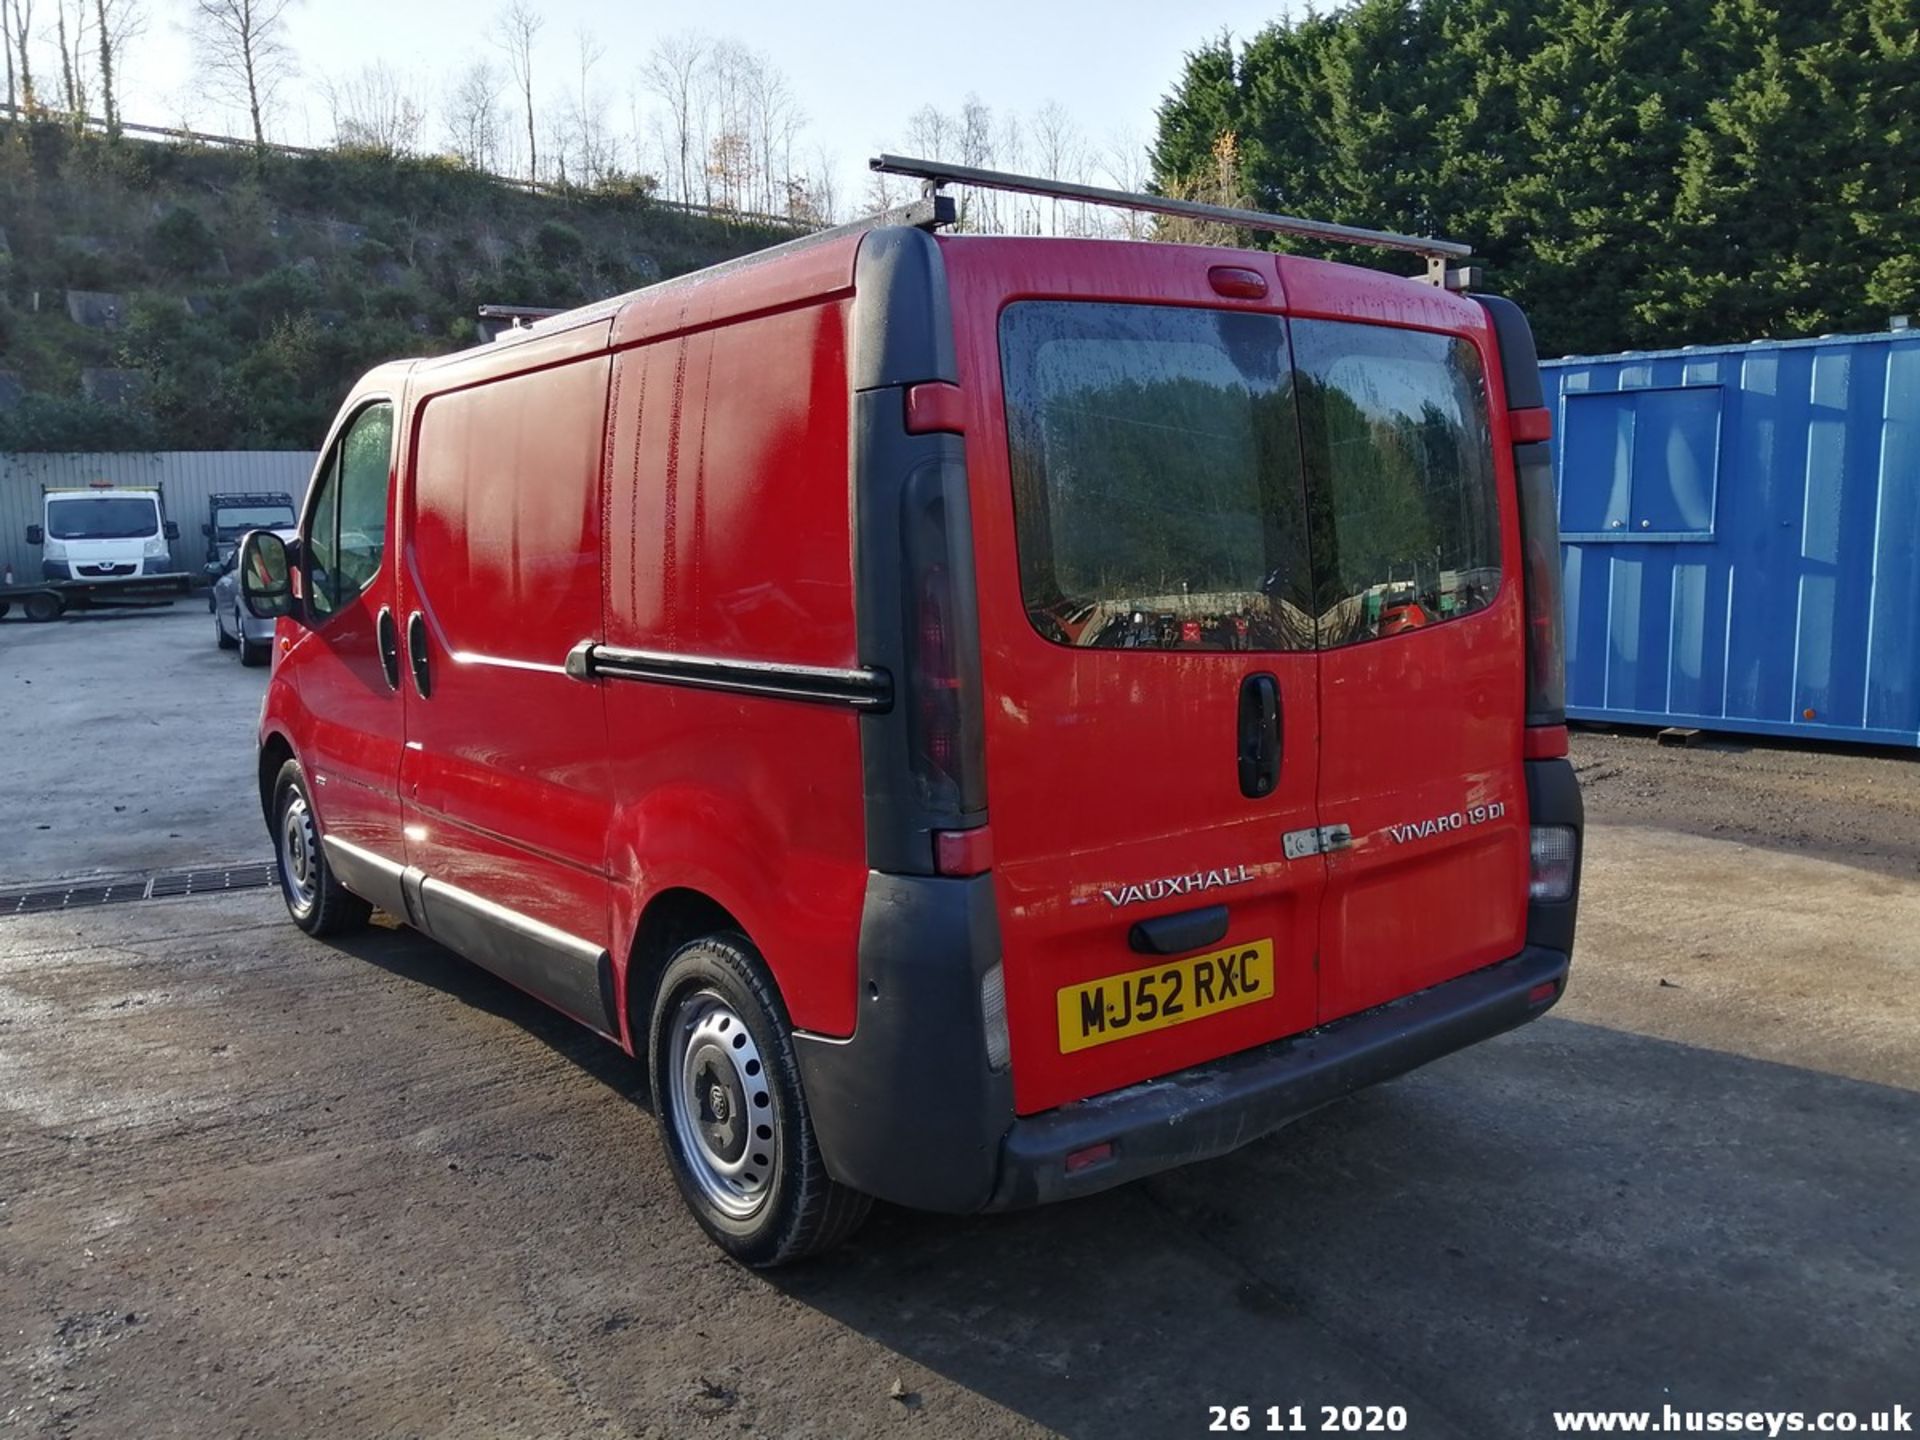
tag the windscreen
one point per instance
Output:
(233, 521)
(115, 517)
(1157, 477)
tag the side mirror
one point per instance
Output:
(35, 535)
(266, 575)
(171, 529)
(214, 569)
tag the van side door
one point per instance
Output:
(504, 779)
(347, 730)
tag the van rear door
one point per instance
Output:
(1152, 706)
(1422, 657)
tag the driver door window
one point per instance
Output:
(347, 534)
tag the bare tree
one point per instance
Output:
(473, 116)
(71, 41)
(673, 72)
(1220, 182)
(375, 110)
(1127, 168)
(117, 23)
(1059, 153)
(6, 44)
(515, 31)
(594, 153)
(244, 51)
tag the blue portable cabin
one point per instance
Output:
(1740, 529)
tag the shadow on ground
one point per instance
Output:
(1567, 1217)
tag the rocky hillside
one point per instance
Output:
(174, 297)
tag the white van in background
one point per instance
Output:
(103, 533)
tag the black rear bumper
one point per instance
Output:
(1214, 1108)
(909, 1109)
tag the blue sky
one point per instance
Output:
(858, 70)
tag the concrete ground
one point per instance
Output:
(252, 1184)
(140, 732)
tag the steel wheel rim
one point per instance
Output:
(299, 853)
(722, 1105)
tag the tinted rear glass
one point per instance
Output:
(1400, 464)
(1156, 477)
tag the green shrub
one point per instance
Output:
(46, 422)
(559, 244)
(182, 243)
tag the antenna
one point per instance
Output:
(1437, 253)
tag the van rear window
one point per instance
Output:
(1178, 483)
(1400, 461)
(1156, 477)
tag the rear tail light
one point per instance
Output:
(943, 727)
(1540, 532)
(936, 698)
(1555, 851)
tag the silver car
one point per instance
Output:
(233, 627)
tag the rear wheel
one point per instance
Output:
(319, 904)
(733, 1118)
(42, 605)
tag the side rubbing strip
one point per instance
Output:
(370, 876)
(865, 689)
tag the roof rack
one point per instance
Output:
(1437, 253)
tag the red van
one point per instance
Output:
(947, 703)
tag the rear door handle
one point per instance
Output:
(1261, 727)
(417, 654)
(388, 635)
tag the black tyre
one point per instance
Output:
(42, 605)
(733, 1118)
(319, 904)
(252, 652)
(220, 635)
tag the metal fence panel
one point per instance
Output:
(187, 477)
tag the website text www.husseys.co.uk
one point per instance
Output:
(1669, 1421)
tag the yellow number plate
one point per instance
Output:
(1117, 1006)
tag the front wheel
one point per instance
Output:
(315, 898)
(733, 1118)
(220, 635)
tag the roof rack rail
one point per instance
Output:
(1437, 253)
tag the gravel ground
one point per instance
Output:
(252, 1184)
(1857, 805)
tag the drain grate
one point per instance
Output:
(162, 885)
(210, 882)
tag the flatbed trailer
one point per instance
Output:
(50, 599)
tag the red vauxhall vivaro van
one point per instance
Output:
(982, 719)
